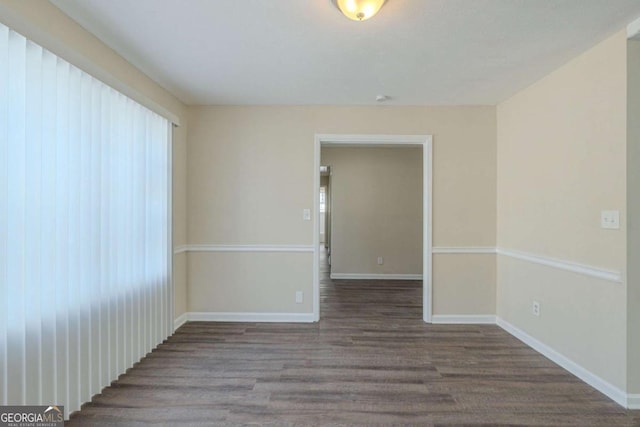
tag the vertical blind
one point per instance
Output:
(85, 288)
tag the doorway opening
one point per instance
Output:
(379, 141)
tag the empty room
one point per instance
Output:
(319, 212)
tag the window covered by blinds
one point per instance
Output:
(85, 288)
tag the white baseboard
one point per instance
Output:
(357, 276)
(633, 401)
(180, 320)
(250, 317)
(464, 319)
(611, 391)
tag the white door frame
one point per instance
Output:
(427, 177)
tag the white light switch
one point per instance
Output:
(610, 219)
(306, 214)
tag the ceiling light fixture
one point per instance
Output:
(359, 10)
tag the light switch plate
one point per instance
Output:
(306, 214)
(610, 220)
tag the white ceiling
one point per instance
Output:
(417, 52)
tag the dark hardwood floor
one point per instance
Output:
(369, 361)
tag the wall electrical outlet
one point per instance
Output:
(610, 219)
(536, 308)
(306, 214)
(299, 297)
(380, 260)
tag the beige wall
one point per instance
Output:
(377, 209)
(561, 160)
(250, 283)
(464, 284)
(633, 215)
(44, 23)
(238, 155)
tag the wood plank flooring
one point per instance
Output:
(369, 361)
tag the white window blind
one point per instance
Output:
(85, 287)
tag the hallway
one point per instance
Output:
(368, 300)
